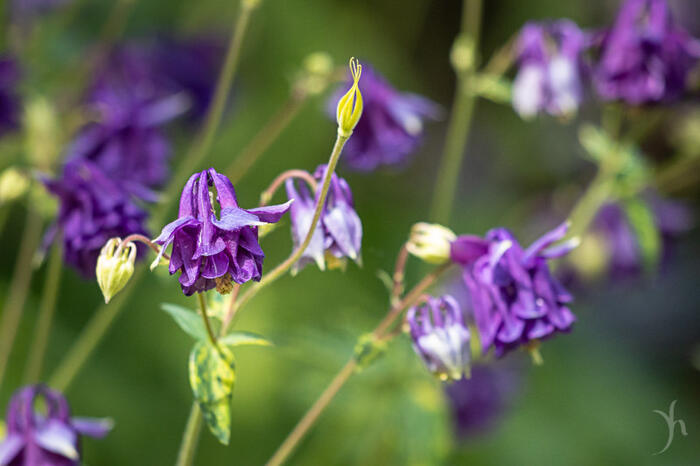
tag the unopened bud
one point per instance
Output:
(316, 74)
(115, 266)
(350, 105)
(430, 242)
(43, 135)
(13, 184)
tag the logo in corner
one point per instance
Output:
(672, 422)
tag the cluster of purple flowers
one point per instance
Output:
(644, 57)
(137, 88)
(45, 438)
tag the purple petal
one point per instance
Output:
(546, 240)
(271, 214)
(168, 230)
(58, 438)
(10, 448)
(467, 248)
(234, 218)
(92, 427)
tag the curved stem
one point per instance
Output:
(462, 112)
(265, 137)
(19, 286)
(190, 437)
(42, 329)
(268, 194)
(399, 272)
(205, 317)
(142, 239)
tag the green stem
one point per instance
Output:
(312, 415)
(203, 309)
(47, 310)
(464, 61)
(190, 438)
(278, 271)
(19, 286)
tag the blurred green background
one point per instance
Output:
(592, 401)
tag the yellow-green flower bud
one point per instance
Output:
(350, 105)
(43, 134)
(315, 75)
(430, 242)
(115, 266)
(13, 184)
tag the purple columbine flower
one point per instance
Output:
(50, 438)
(211, 252)
(391, 127)
(441, 337)
(515, 299)
(9, 102)
(549, 75)
(645, 56)
(338, 234)
(93, 209)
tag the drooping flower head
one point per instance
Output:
(441, 337)
(515, 299)
(210, 251)
(338, 234)
(549, 75)
(36, 438)
(391, 127)
(645, 56)
(93, 208)
(9, 101)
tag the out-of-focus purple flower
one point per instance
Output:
(645, 56)
(211, 252)
(514, 297)
(338, 233)
(93, 209)
(479, 402)
(22, 12)
(441, 337)
(9, 101)
(549, 75)
(50, 438)
(391, 127)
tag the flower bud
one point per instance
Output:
(115, 266)
(13, 184)
(350, 105)
(43, 133)
(430, 242)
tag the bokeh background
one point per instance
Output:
(631, 352)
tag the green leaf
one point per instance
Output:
(245, 339)
(188, 320)
(492, 87)
(212, 375)
(641, 218)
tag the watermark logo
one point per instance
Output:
(672, 423)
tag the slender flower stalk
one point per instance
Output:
(267, 195)
(205, 317)
(464, 62)
(190, 438)
(42, 329)
(19, 286)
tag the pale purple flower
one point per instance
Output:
(391, 126)
(549, 69)
(338, 234)
(211, 251)
(50, 438)
(93, 208)
(9, 101)
(515, 299)
(441, 337)
(645, 56)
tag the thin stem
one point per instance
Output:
(142, 239)
(19, 286)
(269, 193)
(203, 309)
(190, 437)
(278, 271)
(47, 310)
(466, 44)
(399, 273)
(230, 309)
(265, 137)
(312, 415)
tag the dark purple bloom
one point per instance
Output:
(338, 233)
(208, 251)
(50, 438)
(645, 56)
(9, 101)
(549, 75)
(93, 209)
(391, 127)
(514, 297)
(441, 337)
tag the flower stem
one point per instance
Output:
(312, 415)
(278, 271)
(205, 317)
(265, 137)
(42, 329)
(19, 286)
(267, 195)
(464, 62)
(190, 438)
